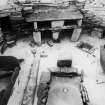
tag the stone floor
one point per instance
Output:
(93, 73)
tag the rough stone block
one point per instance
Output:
(96, 33)
(76, 34)
(57, 23)
(35, 25)
(37, 37)
(55, 35)
(79, 22)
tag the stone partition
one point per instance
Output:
(102, 57)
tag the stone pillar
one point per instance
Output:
(55, 24)
(79, 22)
(35, 25)
(55, 35)
(37, 35)
(76, 34)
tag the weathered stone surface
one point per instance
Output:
(57, 23)
(76, 35)
(50, 13)
(94, 12)
(79, 22)
(55, 35)
(37, 37)
(35, 25)
(28, 98)
(102, 57)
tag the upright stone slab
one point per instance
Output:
(35, 25)
(37, 37)
(55, 36)
(76, 35)
(102, 57)
(79, 22)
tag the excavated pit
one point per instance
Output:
(62, 88)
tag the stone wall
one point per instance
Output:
(94, 11)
